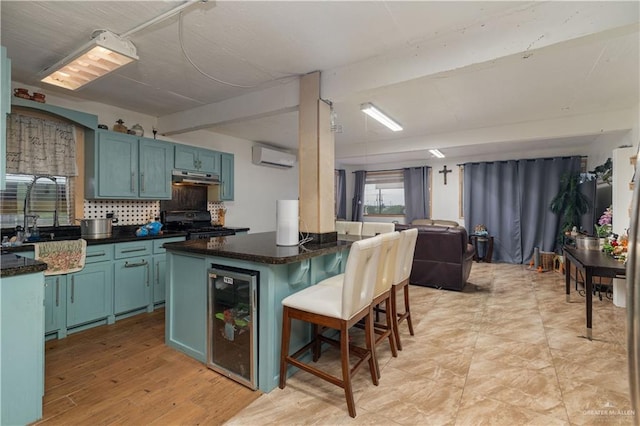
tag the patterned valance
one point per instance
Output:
(36, 146)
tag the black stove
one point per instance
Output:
(196, 223)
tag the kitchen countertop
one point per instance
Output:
(12, 265)
(260, 248)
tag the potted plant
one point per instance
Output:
(569, 202)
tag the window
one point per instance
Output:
(42, 200)
(384, 193)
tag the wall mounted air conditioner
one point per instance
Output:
(265, 156)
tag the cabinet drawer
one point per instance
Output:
(157, 244)
(133, 249)
(99, 253)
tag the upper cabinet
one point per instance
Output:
(5, 108)
(226, 177)
(121, 166)
(197, 159)
(156, 163)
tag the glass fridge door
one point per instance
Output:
(231, 328)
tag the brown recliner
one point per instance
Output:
(443, 256)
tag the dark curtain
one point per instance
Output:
(512, 199)
(539, 181)
(341, 195)
(416, 193)
(491, 198)
(357, 205)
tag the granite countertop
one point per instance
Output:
(260, 248)
(13, 265)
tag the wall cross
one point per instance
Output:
(445, 171)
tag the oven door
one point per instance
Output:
(203, 235)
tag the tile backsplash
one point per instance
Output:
(133, 212)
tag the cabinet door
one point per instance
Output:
(209, 161)
(197, 159)
(159, 281)
(226, 177)
(90, 294)
(5, 108)
(156, 163)
(117, 158)
(186, 158)
(54, 303)
(132, 287)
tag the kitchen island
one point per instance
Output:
(282, 271)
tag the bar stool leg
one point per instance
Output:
(407, 308)
(346, 370)
(284, 347)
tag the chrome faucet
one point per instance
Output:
(27, 202)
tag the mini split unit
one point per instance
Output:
(270, 157)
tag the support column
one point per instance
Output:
(316, 155)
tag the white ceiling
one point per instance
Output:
(469, 78)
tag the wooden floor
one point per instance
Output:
(124, 374)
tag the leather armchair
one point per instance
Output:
(442, 258)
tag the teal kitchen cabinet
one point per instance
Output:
(121, 166)
(21, 348)
(159, 268)
(90, 294)
(156, 163)
(226, 177)
(5, 108)
(55, 307)
(132, 277)
(197, 159)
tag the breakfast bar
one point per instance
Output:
(280, 270)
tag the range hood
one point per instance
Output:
(194, 178)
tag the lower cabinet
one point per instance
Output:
(55, 295)
(132, 276)
(159, 268)
(132, 287)
(117, 279)
(90, 294)
(159, 280)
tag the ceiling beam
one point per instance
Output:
(275, 100)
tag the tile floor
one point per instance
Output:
(506, 351)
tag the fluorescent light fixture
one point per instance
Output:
(373, 112)
(106, 52)
(436, 153)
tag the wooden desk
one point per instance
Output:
(591, 263)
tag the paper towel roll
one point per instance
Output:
(287, 222)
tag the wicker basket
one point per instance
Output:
(546, 260)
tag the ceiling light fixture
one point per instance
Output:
(436, 153)
(373, 112)
(105, 53)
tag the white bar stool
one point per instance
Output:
(339, 308)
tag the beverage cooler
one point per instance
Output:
(231, 325)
